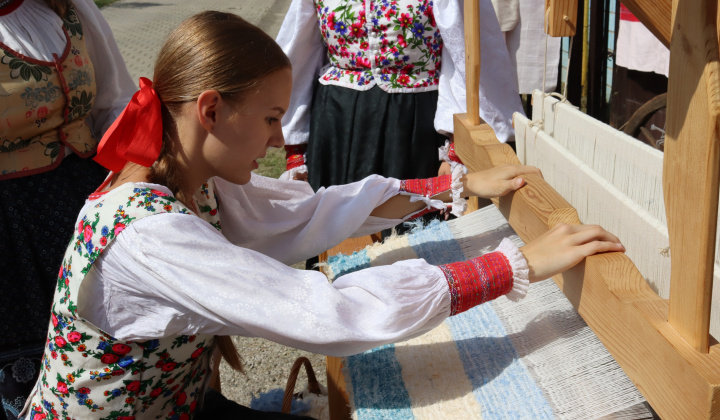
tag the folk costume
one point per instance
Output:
(64, 82)
(376, 83)
(127, 316)
(129, 335)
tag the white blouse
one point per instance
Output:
(150, 283)
(34, 30)
(300, 38)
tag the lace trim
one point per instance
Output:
(423, 190)
(458, 170)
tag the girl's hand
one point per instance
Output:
(497, 181)
(444, 169)
(563, 246)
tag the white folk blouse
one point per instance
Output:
(300, 37)
(34, 30)
(169, 274)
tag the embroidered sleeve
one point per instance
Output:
(295, 155)
(482, 279)
(458, 169)
(423, 190)
(295, 161)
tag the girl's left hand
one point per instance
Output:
(563, 246)
(497, 181)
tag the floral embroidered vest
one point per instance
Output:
(45, 105)
(392, 43)
(88, 374)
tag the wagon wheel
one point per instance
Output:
(636, 124)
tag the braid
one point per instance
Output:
(229, 352)
(165, 169)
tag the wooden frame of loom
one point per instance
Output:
(664, 346)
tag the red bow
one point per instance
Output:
(136, 135)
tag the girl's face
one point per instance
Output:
(245, 130)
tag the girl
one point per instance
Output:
(63, 83)
(183, 243)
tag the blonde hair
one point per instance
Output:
(209, 51)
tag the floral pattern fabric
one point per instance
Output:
(88, 374)
(46, 105)
(392, 43)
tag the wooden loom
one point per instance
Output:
(663, 346)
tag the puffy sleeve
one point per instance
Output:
(300, 39)
(288, 221)
(499, 97)
(114, 84)
(152, 274)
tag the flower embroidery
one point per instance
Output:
(47, 93)
(166, 374)
(80, 105)
(79, 78)
(72, 24)
(405, 47)
(17, 144)
(24, 70)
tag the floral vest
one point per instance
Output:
(88, 374)
(45, 105)
(392, 43)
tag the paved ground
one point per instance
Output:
(140, 27)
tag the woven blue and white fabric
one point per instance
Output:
(536, 359)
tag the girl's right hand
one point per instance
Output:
(563, 246)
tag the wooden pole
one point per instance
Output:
(472, 60)
(561, 17)
(690, 167)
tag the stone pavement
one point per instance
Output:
(140, 28)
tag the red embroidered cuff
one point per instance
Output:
(477, 281)
(452, 155)
(427, 187)
(294, 155)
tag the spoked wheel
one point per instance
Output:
(636, 125)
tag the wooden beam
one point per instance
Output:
(690, 166)
(472, 60)
(654, 14)
(561, 17)
(338, 399)
(611, 295)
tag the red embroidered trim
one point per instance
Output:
(452, 155)
(96, 195)
(427, 187)
(11, 7)
(294, 154)
(477, 281)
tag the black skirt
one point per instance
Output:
(37, 218)
(354, 134)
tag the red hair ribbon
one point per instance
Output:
(136, 135)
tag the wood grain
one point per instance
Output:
(472, 60)
(613, 298)
(690, 166)
(561, 17)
